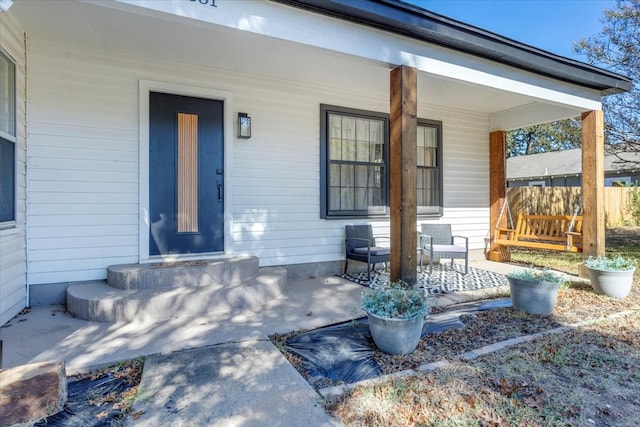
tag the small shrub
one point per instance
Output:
(396, 301)
(604, 263)
(544, 275)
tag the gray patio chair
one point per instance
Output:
(360, 245)
(437, 242)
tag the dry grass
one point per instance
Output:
(588, 376)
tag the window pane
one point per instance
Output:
(348, 138)
(7, 96)
(348, 128)
(7, 180)
(361, 176)
(346, 175)
(334, 198)
(335, 149)
(362, 138)
(334, 175)
(376, 131)
(335, 137)
(361, 202)
(346, 199)
(377, 153)
(429, 157)
(335, 126)
(420, 156)
(362, 129)
(356, 150)
(420, 136)
(431, 147)
(428, 185)
(427, 146)
(348, 150)
(362, 151)
(430, 137)
(376, 200)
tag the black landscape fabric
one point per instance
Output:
(344, 352)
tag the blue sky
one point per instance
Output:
(552, 25)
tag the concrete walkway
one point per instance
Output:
(207, 371)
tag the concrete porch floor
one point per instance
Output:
(48, 333)
(215, 370)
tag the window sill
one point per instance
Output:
(338, 218)
(380, 216)
(429, 215)
(8, 228)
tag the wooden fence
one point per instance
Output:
(564, 200)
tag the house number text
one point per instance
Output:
(206, 2)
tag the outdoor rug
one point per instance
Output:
(443, 280)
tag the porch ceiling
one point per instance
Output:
(146, 33)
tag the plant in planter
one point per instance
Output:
(534, 291)
(396, 315)
(611, 276)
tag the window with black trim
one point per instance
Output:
(429, 162)
(354, 164)
(7, 140)
(354, 158)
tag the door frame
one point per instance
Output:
(145, 87)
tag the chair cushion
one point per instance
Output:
(446, 248)
(375, 251)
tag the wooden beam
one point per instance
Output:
(497, 191)
(593, 225)
(403, 169)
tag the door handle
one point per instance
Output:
(219, 193)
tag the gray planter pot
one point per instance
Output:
(533, 296)
(395, 336)
(615, 284)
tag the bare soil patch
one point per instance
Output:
(576, 303)
(100, 398)
(588, 376)
(623, 237)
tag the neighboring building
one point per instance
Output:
(96, 99)
(564, 169)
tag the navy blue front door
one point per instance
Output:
(186, 176)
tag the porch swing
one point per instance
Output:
(555, 232)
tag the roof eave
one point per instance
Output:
(397, 17)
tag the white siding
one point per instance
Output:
(83, 162)
(13, 274)
(82, 166)
(466, 173)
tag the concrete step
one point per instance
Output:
(98, 301)
(230, 271)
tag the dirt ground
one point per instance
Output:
(588, 376)
(623, 237)
(575, 304)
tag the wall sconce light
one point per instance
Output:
(244, 126)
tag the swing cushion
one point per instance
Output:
(374, 251)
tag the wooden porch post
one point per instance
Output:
(593, 225)
(402, 161)
(497, 191)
